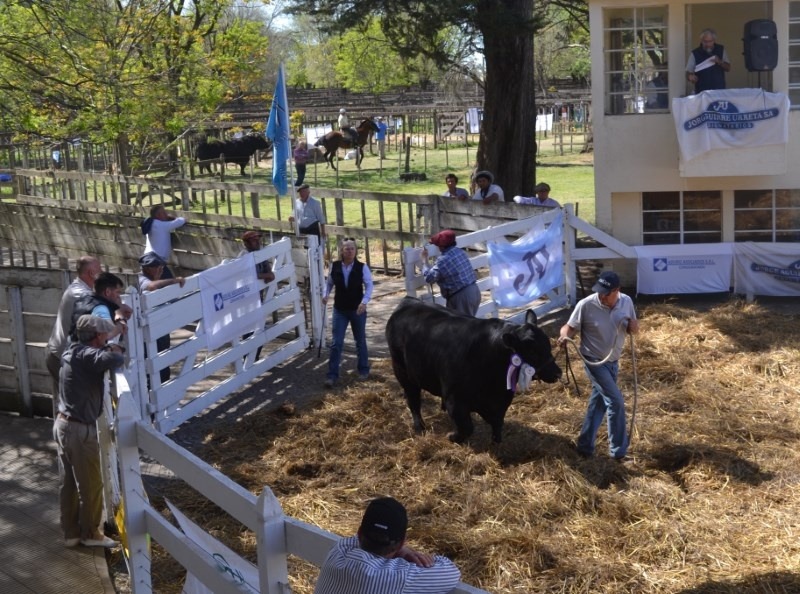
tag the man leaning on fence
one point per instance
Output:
(84, 365)
(377, 560)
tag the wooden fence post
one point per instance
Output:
(273, 572)
(134, 498)
(20, 353)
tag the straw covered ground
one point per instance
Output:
(711, 502)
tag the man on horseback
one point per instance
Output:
(344, 127)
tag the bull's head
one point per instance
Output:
(533, 346)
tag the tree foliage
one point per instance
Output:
(450, 33)
(133, 72)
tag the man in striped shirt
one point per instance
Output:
(377, 560)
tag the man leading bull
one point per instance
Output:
(603, 319)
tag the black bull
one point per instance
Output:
(464, 360)
(238, 150)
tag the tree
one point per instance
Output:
(135, 73)
(502, 30)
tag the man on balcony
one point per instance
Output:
(708, 63)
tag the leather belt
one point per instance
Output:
(71, 419)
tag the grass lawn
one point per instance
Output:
(571, 177)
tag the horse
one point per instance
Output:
(335, 140)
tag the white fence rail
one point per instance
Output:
(276, 534)
(170, 310)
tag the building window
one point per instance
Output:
(794, 54)
(635, 49)
(681, 217)
(766, 215)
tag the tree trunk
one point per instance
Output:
(507, 144)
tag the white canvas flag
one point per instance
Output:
(528, 268)
(730, 118)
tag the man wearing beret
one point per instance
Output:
(377, 560)
(542, 197)
(308, 210)
(603, 319)
(83, 367)
(454, 273)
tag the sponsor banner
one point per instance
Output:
(528, 268)
(230, 297)
(730, 118)
(688, 268)
(767, 269)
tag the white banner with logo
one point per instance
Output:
(688, 268)
(730, 118)
(528, 268)
(767, 269)
(230, 298)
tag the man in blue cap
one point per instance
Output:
(603, 319)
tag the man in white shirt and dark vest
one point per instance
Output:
(353, 283)
(711, 76)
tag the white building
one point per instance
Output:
(645, 194)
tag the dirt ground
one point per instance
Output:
(299, 382)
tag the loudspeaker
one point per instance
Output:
(760, 45)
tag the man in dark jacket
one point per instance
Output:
(708, 63)
(84, 364)
(353, 282)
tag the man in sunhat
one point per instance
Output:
(252, 243)
(454, 273)
(487, 191)
(377, 560)
(603, 319)
(83, 366)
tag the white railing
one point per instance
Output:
(172, 309)
(276, 534)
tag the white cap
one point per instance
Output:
(343, 110)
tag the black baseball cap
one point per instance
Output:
(607, 282)
(385, 521)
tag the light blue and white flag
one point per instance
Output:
(528, 268)
(278, 133)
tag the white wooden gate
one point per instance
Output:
(562, 296)
(201, 377)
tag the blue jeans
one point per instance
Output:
(341, 318)
(605, 399)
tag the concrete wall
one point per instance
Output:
(639, 152)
